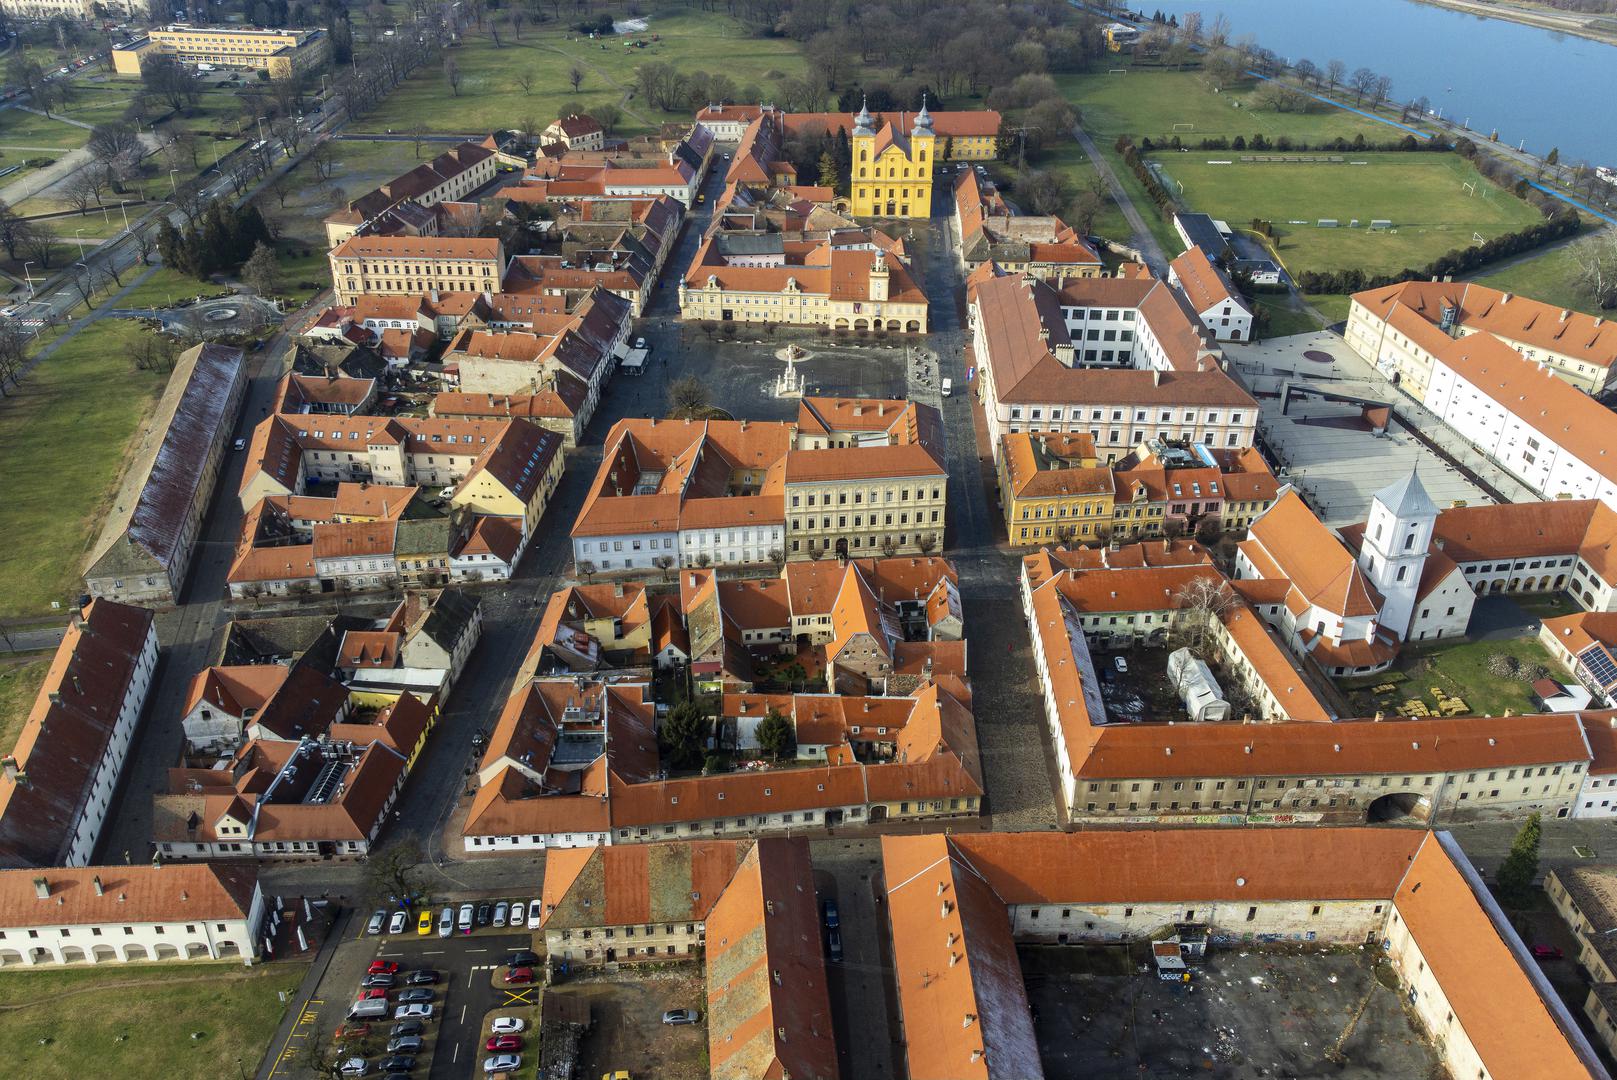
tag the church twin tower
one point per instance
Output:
(892, 172)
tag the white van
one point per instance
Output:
(948, 387)
(369, 1009)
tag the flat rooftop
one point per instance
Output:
(1249, 1012)
(1325, 448)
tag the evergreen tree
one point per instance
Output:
(261, 271)
(776, 735)
(684, 735)
(829, 175)
(171, 246)
(1520, 867)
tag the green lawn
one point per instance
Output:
(1150, 102)
(1549, 277)
(1459, 670)
(99, 104)
(63, 435)
(1069, 159)
(1334, 306)
(137, 1022)
(359, 166)
(1421, 194)
(19, 685)
(491, 98)
(164, 288)
(1283, 320)
(21, 128)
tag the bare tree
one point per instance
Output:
(418, 135)
(1597, 269)
(1201, 602)
(452, 75)
(494, 26)
(1335, 72)
(13, 353)
(575, 77)
(84, 283)
(12, 226)
(324, 161)
(1361, 82)
(524, 79)
(1307, 71)
(145, 243)
(1380, 90)
(81, 189)
(608, 115)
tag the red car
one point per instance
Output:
(352, 1031)
(503, 1042)
(373, 992)
(383, 967)
(519, 975)
(1546, 952)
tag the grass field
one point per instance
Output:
(1459, 671)
(1283, 320)
(1150, 102)
(19, 685)
(20, 128)
(358, 167)
(1420, 193)
(137, 1022)
(1550, 277)
(490, 97)
(164, 288)
(1068, 158)
(63, 436)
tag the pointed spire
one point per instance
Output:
(923, 121)
(864, 123)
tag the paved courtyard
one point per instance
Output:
(1331, 455)
(1248, 1014)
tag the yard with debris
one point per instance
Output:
(1249, 1012)
(626, 1030)
(1472, 678)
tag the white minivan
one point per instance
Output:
(948, 387)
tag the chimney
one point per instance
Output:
(42, 888)
(9, 762)
(617, 590)
(95, 883)
(1156, 376)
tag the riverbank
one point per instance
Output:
(1561, 22)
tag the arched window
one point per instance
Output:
(863, 154)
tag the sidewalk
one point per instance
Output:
(283, 1045)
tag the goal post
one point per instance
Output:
(1184, 127)
(1117, 71)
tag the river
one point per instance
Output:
(1533, 85)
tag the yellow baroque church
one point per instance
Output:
(892, 172)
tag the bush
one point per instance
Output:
(1504, 665)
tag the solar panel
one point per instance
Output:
(1598, 662)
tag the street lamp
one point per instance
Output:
(78, 235)
(261, 120)
(171, 185)
(29, 278)
(121, 204)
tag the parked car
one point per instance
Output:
(499, 913)
(416, 995)
(404, 1044)
(383, 967)
(407, 1028)
(424, 925)
(522, 958)
(378, 920)
(1121, 664)
(947, 387)
(1546, 952)
(397, 1063)
(239, 444)
(424, 977)
(379, 980)
(355, 1066)
(485, 914)
(681, 1016)
(502, 1063)
(503, 1042)
(350, 1031)
(413, 1011)
(833, 945)
(372, 993)
(465, 920)
(828, 911)
(519, 975)
(400, 920)
(446, 922)
(507, 1025)
(536, 912)
(513, 918)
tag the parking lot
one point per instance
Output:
(1248, 1013)
(469, 990)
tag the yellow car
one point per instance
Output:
(424, 924)
(621, 1074)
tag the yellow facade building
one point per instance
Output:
(282, 53)
(892, 172)
(1054, 490)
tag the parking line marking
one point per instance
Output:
(438, 952)
(463, 1014)
(477, 950)
(470, 975)
(456, 1056)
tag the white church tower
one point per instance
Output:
(1396, 539)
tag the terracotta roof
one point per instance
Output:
(1203, 283)
(574, 126)
(960, 990)
(340, 540)
(1316, 562)
(172, 892)
(768, 1009)
(368, 649)
(1500, 998)
(500, 537)
(631, 884)
(1590, 338)
(944, 123)
(1584, 527)
(373, 500)
(236, 688)
(68, 731)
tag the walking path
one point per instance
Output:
(1142, 238)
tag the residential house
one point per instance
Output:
(406, 265)
(1212, 295)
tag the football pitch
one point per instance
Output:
(1433, 203)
